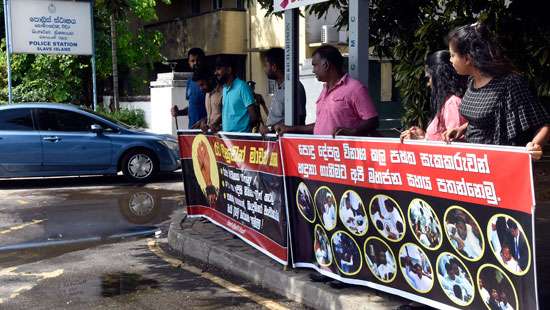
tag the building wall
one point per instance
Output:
(219, 32)
(263, 33)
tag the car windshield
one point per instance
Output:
(112, 120)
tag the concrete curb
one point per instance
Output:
(212, 245)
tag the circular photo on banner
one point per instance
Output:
(352, 213)
(496, 289)
(304, 201)
(425, 225)
(387, 217)
(205, 168)
(416, 268)
(464, 233)
(346, 253)
(380, 259)
(321, 247)
(455, 279)
(509, 244)
(325, 203)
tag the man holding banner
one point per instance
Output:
(344, 106)
(239, 113)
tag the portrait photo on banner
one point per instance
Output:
(509, 244)
(455, 279)
(464, 233)
(380, 259)
(416, 268)
(387, 217)
(206, 169)
(425, 225)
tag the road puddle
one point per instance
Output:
(122, 283)
(75, 219)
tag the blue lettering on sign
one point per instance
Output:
(39, 43)
(48, 19)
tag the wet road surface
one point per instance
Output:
(86, 243)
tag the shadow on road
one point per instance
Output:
(77, 181)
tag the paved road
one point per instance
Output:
(88, 243)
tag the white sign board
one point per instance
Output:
(51, 27)
(281, 5)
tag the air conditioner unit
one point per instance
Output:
(329, 34)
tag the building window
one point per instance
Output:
(217, 4)
(240, 4)
(195, 7)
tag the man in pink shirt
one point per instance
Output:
(344, 106)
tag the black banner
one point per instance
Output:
(379, 214)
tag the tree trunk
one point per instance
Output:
(115, 63)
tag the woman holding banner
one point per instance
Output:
(498, 105)
(447, 89)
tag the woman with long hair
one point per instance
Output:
(447, 89)
(498, 105)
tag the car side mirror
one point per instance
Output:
(96, 129)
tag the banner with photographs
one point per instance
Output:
(236, 182)
(450, 226)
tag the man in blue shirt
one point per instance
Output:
(195, 96)
(239, 113)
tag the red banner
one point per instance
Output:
(476, 175)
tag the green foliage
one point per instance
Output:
(136, 49)
(42, 78)
(409, 30)
(134, 117)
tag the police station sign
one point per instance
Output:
(282, 5)
(51, 27)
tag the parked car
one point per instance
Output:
(40, 140)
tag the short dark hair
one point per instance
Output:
(202, 73)
(330, 54)
(457, 291)
(196, 51)
(379, 225)
(512, 224)
(276, 56)
(224, 61)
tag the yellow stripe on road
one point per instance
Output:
(18, 227)
(34, 279)
(267, 303)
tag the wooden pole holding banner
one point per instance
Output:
(7, 24)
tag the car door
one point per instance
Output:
(20, 144)
(68, 143)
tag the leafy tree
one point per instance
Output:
(409, 30)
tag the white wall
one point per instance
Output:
(142, 105)
(313, 89)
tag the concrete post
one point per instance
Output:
(359, 40)
(167, 91)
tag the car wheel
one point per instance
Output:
(139, 166)
(140, 207)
